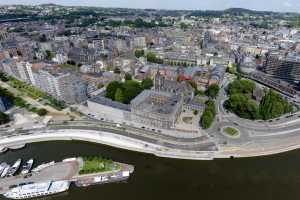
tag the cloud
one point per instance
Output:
(287, 4)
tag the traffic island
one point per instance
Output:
(231, 132)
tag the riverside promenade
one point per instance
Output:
(268, 146)
(106, 138)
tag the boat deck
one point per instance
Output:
(58, 171)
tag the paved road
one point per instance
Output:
(256, 138)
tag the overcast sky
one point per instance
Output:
(271, 5)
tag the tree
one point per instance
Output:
(139, 53)
(49, 55)
(152, 57)
(243, 86)
(42, 112)
(128, 77)
(243, 106)
(273, 105)
(3, 77)
(147, 84)
(131, 90)
(119, 95)
(183, 26)
(71, 62)
(207, 119)
(213, 91)
(208, 115)
(112, 88)
(210, 105)
(199, 93)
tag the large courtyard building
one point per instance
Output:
(156, 109)
(161, 84)
(108, 109)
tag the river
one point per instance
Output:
(271, 177)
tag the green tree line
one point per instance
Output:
(242, 104)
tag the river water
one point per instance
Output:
(272, 177)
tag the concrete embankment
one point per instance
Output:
(251, 152)
(128, 143)
(107, 139)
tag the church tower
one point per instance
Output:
(159, 81)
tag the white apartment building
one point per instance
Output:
(25, 72)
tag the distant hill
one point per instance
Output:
(239, 10)
(230, 11)
(49, 4)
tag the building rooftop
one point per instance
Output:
(108, 102)
(157, 102)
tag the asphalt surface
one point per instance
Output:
(59, 171)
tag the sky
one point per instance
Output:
(270, 5)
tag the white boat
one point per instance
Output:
(14, 168)
(33, 190)
(43, 166)
(4, 173)
(99, 179)
(27, 167)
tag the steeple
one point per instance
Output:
(158, 81)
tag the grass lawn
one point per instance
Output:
(96, 164)
(35, 93)
(187, 120)
(231, 131)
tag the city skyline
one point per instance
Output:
(276, 5)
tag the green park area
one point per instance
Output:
(26, 88)
(208, 115)
(96, 165)
(124, 92)
(20, 102)
(153, 58)
(242, 103)
(231, 131)
(35, 93)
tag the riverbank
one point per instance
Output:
(109, 139)
(159, 150)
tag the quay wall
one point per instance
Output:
(105, 138)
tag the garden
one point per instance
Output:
(96, 165)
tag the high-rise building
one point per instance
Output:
(285, 67)
(65, 86)
(10, 68)
(25, 72)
